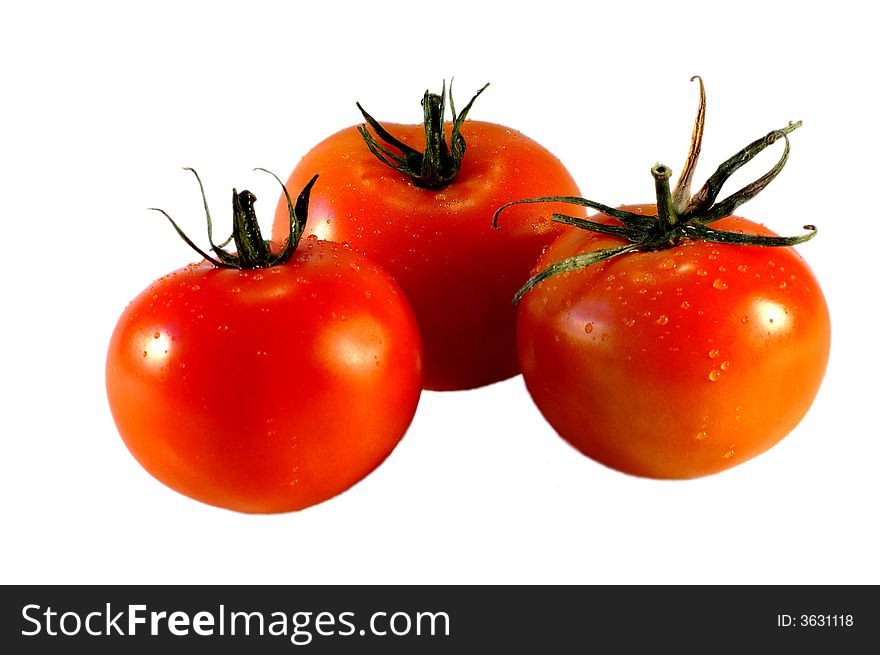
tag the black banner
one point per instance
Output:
(436, 619)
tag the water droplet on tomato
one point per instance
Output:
(744, 319)
(742, 268)
(663, 319)
(701, 435)
(588, 328)
(725, 365)
(714, 375)
(730, 453)
(156, 335)
(719, 284)
(714, 353)
(702, 272)
(629, 322)
(685, 304)
(667, 264)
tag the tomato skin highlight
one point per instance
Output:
(266, 390)
(458, 272)
(677, 363)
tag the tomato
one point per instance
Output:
(675, 340)
(675, 363)
(270, 389)
(457, 272)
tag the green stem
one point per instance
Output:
(252, 250)
(672, 225)
(665, 204)
(438, 165)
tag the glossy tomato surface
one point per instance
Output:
(678, 363)
(266, 390)
(458, 272)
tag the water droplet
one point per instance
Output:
(354, 266)
(588, 328)
(725, 365)
(685, 304)
(629, 322)
(701, 272)
(701, 435)
(714, 353)
(782, 284)
(730, 453)
(156, 335)
(742, 268)
(667, 263)
(719, 284)
(744, 319)
(605, 337)
(714, 374)
(663, 319)
(368, 294)
(145, 353)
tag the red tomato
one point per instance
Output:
(675, 363)
(266, 390)
(675, 340)
(458, 273)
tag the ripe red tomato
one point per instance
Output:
(266, 390)
(675, 363)
(457, 272)
(675, 340)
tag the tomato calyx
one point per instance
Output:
(439, 164)
(252, 250)
(680, 215)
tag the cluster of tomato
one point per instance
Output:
(672, 340)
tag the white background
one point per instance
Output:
(104, 103)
